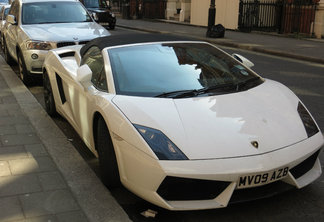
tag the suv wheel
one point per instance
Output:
(23, 73)
(48, 96)
(7, 56)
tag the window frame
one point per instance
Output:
(98, 79)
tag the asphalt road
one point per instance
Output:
(306, 80)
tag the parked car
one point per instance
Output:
(181, 123)
(4, 9)
(5, 2)
(35, 26)
(101, 12)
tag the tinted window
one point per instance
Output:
(6, 11)
(93, 58)
(150, 70)
(53, 12)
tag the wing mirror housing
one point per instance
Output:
(243, 60)
(11, 19)
(84, 75)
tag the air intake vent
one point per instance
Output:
(304, 166)
(67, 54)
(175, 188)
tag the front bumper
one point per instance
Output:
(145, 176)
(34, 65)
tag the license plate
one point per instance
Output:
(259, 179)
(104, 23)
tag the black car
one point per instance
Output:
(100, 12)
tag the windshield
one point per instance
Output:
(54, 12)
(4, 1)
(95, 4)
(155, 69)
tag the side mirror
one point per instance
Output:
(11, 19)
(84, 75)
(243, 60)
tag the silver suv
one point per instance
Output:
(35, 26)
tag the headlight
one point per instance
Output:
(161, 145)
(38, 45)
(95, 16)
(309, 124)
(113, 15)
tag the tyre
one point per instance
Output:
(23, 73)
(107, 157)
(6, 53)
(111, 27)
(48, 96)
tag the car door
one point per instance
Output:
(83, 101)
(11, 30)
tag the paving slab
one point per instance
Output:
(50, 202)
(10, 209)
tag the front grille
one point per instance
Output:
(62, 44)
(34, 69)
(103, 17)
(304, 166)
(83, 42)
(175, 188)
(255, 193)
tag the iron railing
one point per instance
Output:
(282, 16)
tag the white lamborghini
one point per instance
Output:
(181, 123)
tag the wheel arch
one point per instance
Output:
(96, 117)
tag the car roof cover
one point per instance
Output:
(125, 39)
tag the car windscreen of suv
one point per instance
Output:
(178, 70)
(53, 12)
(95, 4)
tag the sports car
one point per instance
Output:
(181, 123)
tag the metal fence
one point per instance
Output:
(282, 16)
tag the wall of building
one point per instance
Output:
(319, 21)
(226, 13)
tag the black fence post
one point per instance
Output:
(211, 17)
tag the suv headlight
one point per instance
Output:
(39, 45)
(161, 145)
(95, 16)
(112, 15)
(309, 124)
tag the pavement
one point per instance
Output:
(311, 50)
(43, 177)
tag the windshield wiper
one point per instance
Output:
(227, 87)
(178, 94)
(246, 82)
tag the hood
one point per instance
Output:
(58, 32)
(222, 126)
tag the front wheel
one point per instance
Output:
(23, 73)
(107, 157)
(6, 53)
(48, 96)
